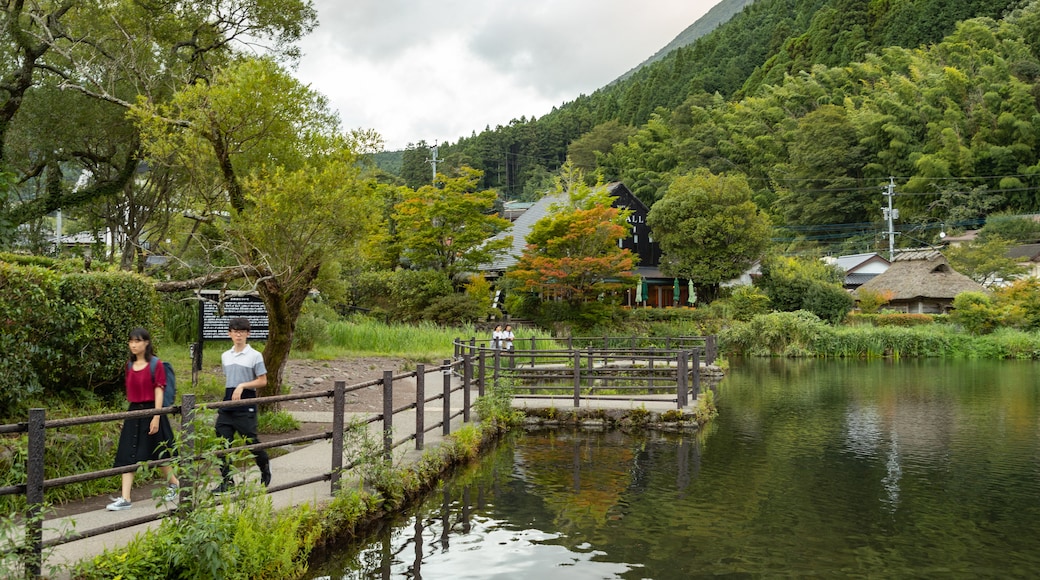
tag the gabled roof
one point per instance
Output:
(854, 262)
(922, 274)
(519, 230)
(522, 225)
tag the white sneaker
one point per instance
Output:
(172, 492)
(119, 504)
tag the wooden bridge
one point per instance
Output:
(598, 370)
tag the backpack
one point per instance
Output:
(170, 392)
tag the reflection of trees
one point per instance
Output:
(581, 477)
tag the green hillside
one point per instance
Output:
(717, 16)
(819, 102)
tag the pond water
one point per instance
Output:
(849, 469)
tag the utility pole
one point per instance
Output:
(433, 161)
(891, 214)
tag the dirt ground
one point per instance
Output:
(310, 376)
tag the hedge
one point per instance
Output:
(67, 331)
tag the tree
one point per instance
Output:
(584, 151)
(572, 254)
(709, 229)
(986, 262)
(83, 63)
(267, 154)
(805, 284)
(448, 228)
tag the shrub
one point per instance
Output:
(453, 309)
(66, 332)
(745, 303)
(870, 301)
(775, 334)
(975, 312)
(414, 291)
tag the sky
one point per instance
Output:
(436, 71)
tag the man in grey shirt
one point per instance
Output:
(244, 373)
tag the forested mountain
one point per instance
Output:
(809, 96)
(717, 16)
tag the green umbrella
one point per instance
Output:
(675, 292)
(646, 290)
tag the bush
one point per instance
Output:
(455, 309)
(414, 291)
(775, 334)
(67, 332)
(745, 303)
(975, 312)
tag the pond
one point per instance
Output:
(862, 469)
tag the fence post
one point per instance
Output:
(467, 378)
(420, 406)
(458, 347)
(498, 366)
(577, 378)
(187, 450)
(388, 415)
(481, 374)
(339, 399)
(696, 373)
(650, 365)
(591, 367)
(681, 368)
(710, 350)
(534, 347)
(34, 476)
(446, 423)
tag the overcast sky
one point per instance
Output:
(418, 69)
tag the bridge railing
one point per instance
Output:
(37, 426)
(621, 368)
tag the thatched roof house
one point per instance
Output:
(921, 282)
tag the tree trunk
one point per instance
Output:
(283, 309)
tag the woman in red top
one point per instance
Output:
(144, 438)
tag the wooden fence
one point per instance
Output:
(623, 368)
(37, 426)
(601, 368)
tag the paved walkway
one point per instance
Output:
(303, 462)
(307, 461)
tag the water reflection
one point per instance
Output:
(833, 469)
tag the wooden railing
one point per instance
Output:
(604, 368)
(37, 426)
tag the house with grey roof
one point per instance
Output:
(859, 268)
(660, 290)
(921, 282)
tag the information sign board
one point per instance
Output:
(215, 321)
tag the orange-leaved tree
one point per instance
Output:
(573, 254)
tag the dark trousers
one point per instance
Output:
(242, 423)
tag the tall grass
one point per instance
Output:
(423, 342)
(784, 334)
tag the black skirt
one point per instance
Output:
(136, 445)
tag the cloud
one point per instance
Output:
(421, 70)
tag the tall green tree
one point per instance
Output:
(268, 155)
(709, 229)
(986, 261)
(65, 150)
(447, 228)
